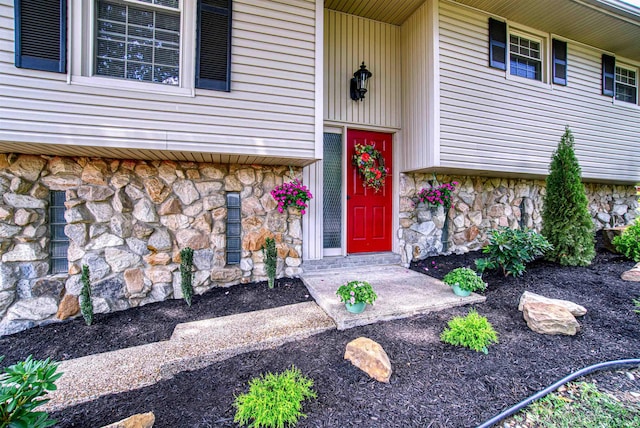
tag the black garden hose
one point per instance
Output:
(585, 371)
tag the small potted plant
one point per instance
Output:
(356, 295)
(464, 281)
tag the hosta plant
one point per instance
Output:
(511, 250)
(466, 279)
(22, 387)
(472, 331)
(274, 400)
(628, 243)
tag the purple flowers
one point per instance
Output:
(293, 194)
(440, 195)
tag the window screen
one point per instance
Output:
(58, 242)
(234, 230)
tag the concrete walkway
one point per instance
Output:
(401, 293)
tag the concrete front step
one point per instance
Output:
(192, 346)
(352, 260)
(401, 293)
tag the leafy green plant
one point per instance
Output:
(566, 221)
(472, 331)
(270, 259)
(628, 243)
(357, 292)
(466, 279)
(186, 274)
(512, 249)
(580, 405)
(636, 302)
(274, 400)
(86, 304)
(21, 386)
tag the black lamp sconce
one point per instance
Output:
(359, 83)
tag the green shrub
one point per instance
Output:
(270, 259)
(472, 331)
(86, 304)
(21, 386)
(629, 242)
(466, 279)
(186, 274)
(566, 222)
(274, 400)
(636, 302)
(512, 249)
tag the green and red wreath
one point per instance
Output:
(370, 165)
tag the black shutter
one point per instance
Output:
(559, 62)
(608, 75)
(213, 63)
(41, 34)
(497, 44)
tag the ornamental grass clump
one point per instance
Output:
(566, 221)
(466, 279)
(628, 243)
(21, 387)
(86, 303)
(293, 194)
(439, 195)
(472, 331)
(512, 249)
(357, 292)
(274, 400)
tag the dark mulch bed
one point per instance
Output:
(433, 384)
(146, 324)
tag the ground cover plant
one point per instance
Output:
(433, 384)
(580, 405)
(566, 221)
(274, 400)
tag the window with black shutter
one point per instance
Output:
(608, 75)
(559, 62)
(213, 63)
(497, 44)
(41, 34)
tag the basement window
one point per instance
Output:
(58, 241)
(234, 229)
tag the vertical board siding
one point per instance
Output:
(349, 40)
(491, 123)
(416, 37)
(270, 110)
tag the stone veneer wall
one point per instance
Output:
(128, 220)
(481, 204)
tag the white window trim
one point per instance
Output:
(629, 67)
(545, 51)
(82, 47)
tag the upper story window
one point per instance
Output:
(626, 84)
(525, 57)
(138, 40)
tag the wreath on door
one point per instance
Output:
(370, 165)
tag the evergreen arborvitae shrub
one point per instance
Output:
(566, 222)
(270, 259)
(86, 305)
(186, 274)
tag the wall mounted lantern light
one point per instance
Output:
(359, 83)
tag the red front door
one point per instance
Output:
(369, 213)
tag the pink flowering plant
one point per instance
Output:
(292, 194)
(357, 292)
(438, 195)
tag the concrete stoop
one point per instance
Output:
(401, 293)
(192, 346)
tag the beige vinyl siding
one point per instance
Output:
(419, 119)
(349, 40)
(268, 116)
(508, 125)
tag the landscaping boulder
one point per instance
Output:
(547, 318)
(575, 309)
(632, 275)
(143, 420)
(369, 357)
(608, 233)
(69, 307)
